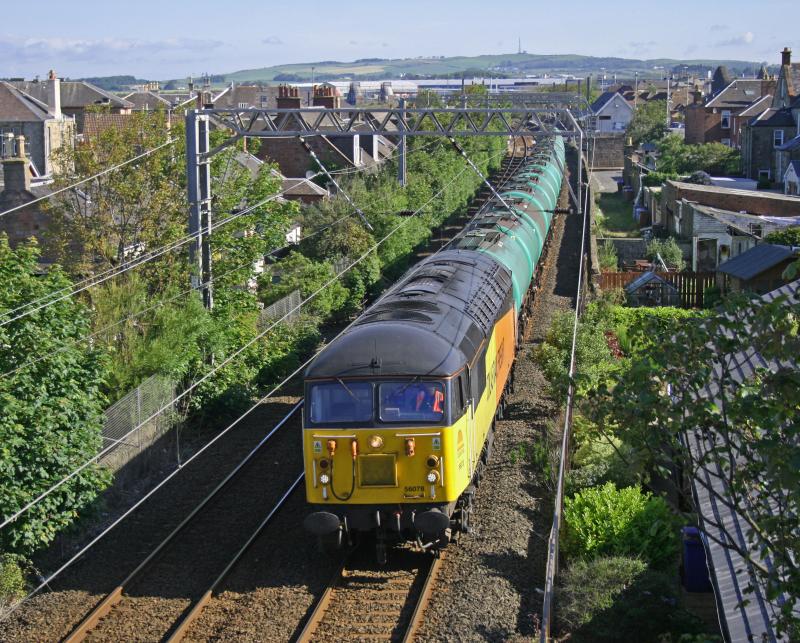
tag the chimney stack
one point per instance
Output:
(698, 97)
(288, 97)
(326, 97)
(16, 167)
(786, 56)
(54, 94)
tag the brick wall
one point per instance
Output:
(762, 203)
(292, 158)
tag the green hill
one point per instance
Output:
(498, 65)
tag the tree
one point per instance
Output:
(685, 403)
(51, 411)
(678, 157)
(668, 250)
(138, 206)
(649, 122)
(785, 237)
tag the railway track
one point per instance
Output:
(367, 602)
(189, 563)
(193, 580)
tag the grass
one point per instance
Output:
(614, 217)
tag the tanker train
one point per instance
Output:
(399, 411)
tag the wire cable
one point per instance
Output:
(228, 359)
(90, 178)
(144, 498)
(30, 307)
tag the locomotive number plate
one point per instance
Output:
(377, 470)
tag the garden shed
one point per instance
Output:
(651, 290)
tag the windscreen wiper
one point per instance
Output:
(349, 392)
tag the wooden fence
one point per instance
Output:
(690, 285)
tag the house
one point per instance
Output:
(791, 179)
(771, 140)
(76, 97)
(292, 189)
(147, 101)
(43, 125)
(26, 222)
(758, 270)
(719, 120)
(612, 112)
(334, 151)
(718, 235)
(769, 204)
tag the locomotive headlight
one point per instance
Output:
(324, 478)
(375, 441)
(433, 476)
(432, 461)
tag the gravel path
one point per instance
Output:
(490, 585)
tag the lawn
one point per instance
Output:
(614, 216)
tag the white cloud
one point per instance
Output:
(52, 52)
(742, 39)
(272, 40)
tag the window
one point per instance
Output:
(243, 106)
(726, 119)
(763, 175)
(341, 402)
(777, 138)
(726, 141)
(411, 401)
(604, 118)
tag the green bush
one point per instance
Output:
(654, 179)
(669, 250)
(12, 579)
(785, 237)
(610, 521)
(764, 184)
(597, 461)
(619, 599)
(607, 255)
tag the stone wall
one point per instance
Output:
(608, 149)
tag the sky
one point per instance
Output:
(164, 39)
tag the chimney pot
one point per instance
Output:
(786, 56)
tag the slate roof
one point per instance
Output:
(758, 107)
(758, 259)
(17, 106)
(775, 118)
(740, 93)
(745, 616)
(75, 94)
(147, 101)
(604, 99)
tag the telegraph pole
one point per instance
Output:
(401, 151)
(198, 171)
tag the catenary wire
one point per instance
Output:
(373, 248)
(90, 178)
(231, 357)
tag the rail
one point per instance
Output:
(375, 603)
(102, 609)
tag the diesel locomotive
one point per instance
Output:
(399, 410)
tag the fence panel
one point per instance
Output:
(124, 434)
(284, 307)
(690, 285)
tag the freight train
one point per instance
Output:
(399, 412)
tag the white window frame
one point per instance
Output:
(244, 105)
(726, 141)
(725, 120)
(775, 137)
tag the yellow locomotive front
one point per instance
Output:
(398, 410)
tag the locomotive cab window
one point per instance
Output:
(341, 402)
(411, 401)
